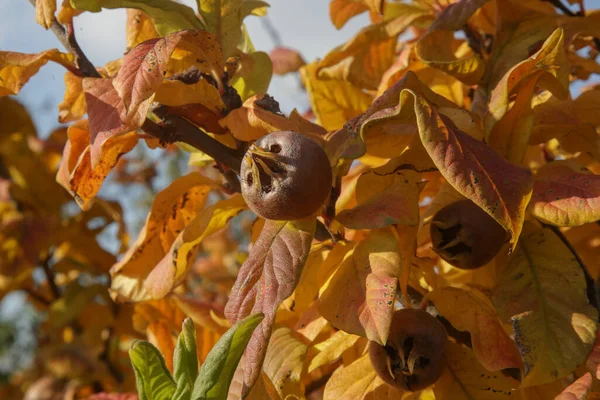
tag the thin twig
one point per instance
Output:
(105, 357)
(50, 277)
(70, 44)
(591, 285)
(567, 11)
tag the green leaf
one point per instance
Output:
(185, 361)
(254, 74)
(167, 15)
(217, 371)
(154, 382)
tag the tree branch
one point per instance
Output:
(67, 38)
(50, 277)
(179, 129)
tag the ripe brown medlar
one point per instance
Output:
(285, 176)
(466, 236)
(414, 355)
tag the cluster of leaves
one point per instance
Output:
(431, 103)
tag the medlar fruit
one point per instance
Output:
(466, 236)
(285, 176)
(414, 356)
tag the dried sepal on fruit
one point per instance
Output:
(285, 176)
(466, 236)
(414, 355)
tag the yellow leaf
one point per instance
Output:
(139, 28)
(359, 297)
(224, 19)
(17, 68)
(171, 211)
(66, 13)
(509, 132)
(73, 106)
(352, 382)
(253, 75)
(173, 267)
(284, 361)
(472, 311)
(177, 93)
(364, 58)
(44, 12)
(554, 333)
(331, 349)
(465, 379)
(438, 48)
(333, 102)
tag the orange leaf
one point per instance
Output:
(340, 11)
(268, 277)
(284, 361)
(565, 195)
(17, 68)
(171, 211)
(354, 381)
(76, 173)
(66, 13)
(252, 121)
(73, 106)
(368, 280)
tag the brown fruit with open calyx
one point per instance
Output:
(285, 176)
(466, 236)
(414, 355)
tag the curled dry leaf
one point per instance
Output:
(286, 60)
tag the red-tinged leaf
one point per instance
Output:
(17, 68)
(268, 277)
(565, 194)
(578, 390)
(384, 200)
(472, 311)
(500, 188)
(76, 173)
(145, 66)
(286, 60)
(107, 114)
(179, 259)
(359, 297)
(171, 211)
